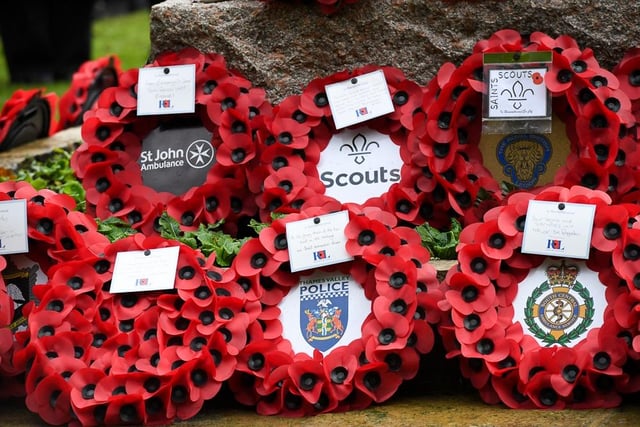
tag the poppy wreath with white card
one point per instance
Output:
(586, 98)
(304, 153)
(538, 331)
(54, 231)
(193, 165)
(135, 357)
(339, 337)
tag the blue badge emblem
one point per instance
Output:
(524, 158)
(324, 312)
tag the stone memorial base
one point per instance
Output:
(281, 45)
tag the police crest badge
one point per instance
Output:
(324, 311)
(327, 309)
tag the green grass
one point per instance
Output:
(126, 36)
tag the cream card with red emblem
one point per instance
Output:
(148, 270)
(318, 241)
(166, 90)
(558, 229)
(359, 99)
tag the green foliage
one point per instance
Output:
(115, 228)
(54, 173)
(208, 238)
(441, 244)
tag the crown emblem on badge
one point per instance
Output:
(562, 275)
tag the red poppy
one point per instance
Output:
(376, 381)
(340, 367)
(362, 233)
(253, 258)
(50, 400)
(609, 227)
(627, 73)
(122, 408)
(475, 263)
(625, 258)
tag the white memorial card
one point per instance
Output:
(14, 235)
(167, 90)
(148, 270)
(359, 99)
(517, 93)
(558, 229)
(318, 241)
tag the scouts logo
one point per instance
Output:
(359, 148)
(324, 312)
(561, 309)
(524, 158)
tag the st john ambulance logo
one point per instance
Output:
(324, 312)
(561, 309)
(200, 154)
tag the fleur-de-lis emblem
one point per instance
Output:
(517, 94)
(359, 147)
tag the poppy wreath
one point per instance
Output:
(56, 232)
(587, 98)
(93, 357)
(27, 116)
(516, 338)
(87, 83)
(55, 229)
(390, 268)
(327, 7)
(294, 137)
(107, 162)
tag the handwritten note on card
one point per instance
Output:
(359, 99)
(558, 229)
(14, 237)
(318, 241)
(166, 90)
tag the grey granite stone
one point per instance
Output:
(281, 46)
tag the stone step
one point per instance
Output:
(435, 409)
